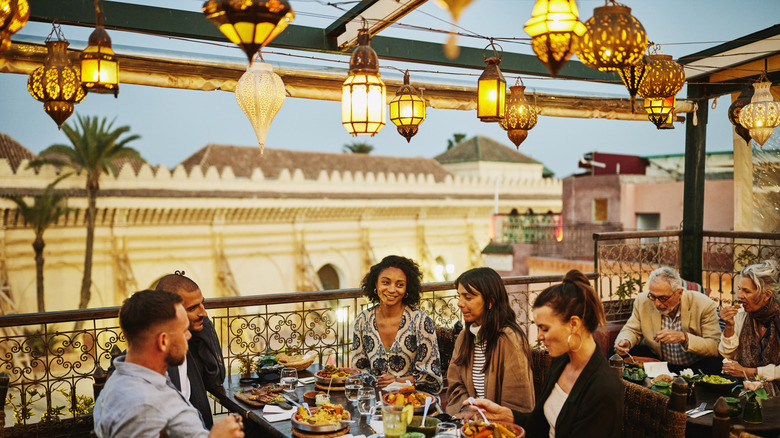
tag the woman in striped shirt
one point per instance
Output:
(492, 358)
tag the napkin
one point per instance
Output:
(273, 413)
(655, 369)
(378, 426)
(701, 413)
(306, 380)
(395, 386)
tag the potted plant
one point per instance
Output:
(754, 392)
(246, 365)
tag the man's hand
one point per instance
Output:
(622, 346)
(493, 411)
(667, 336)
(228, 427)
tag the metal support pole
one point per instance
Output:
(693, 190)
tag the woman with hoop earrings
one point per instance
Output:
(582, 396)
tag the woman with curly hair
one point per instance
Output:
(394, 341)
(752, 335)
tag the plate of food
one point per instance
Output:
(634, 374)
(411, 396)
(479, 428)
(718, 383)
(266, 395)
(328, 418)
(331, 375)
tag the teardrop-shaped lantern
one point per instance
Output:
(762, 114)
(632, 77)
(407, 109)
(614, 39)
(260, 93)
(455, 7)
(251, 24)
(554, 28)
(520, 115)
(13, 16)
(56, 83)
(363, 100)
(664, 77)
(735, 108)
(99, 66)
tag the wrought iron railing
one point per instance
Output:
(51, 364)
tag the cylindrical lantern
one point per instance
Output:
(363, 97)
(761, 115)
(13, 16)
(554, 28)
(56, 83)
(614, 39)
(491, 92)
(407, 109)
(520, 116)
(735, 108)
(99, 66)
(260, 94)
(251, 24)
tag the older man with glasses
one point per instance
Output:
(673, 324)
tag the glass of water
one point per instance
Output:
(289, 379)
(352, 386)
(366, 397)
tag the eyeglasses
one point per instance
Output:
(661, 299)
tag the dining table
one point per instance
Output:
(255, 423)
(702, 426)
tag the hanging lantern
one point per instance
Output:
(735, 108)
(668, 123)
(56, 83)
(251, 24)
(363, 97)
(99, 68)
(455, 7)
(554, 28)
(664, 77)
(632, 77)
(407, 109)
(491, 90)
(659, 109)
(13, 16)
(762, 114)
(260, 93)
(520, 116)
(614, 39)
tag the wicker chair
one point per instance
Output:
(540, 364)
(445, 337)
(645, 414)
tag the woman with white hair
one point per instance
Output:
(752, 335)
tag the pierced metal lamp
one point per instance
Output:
(13, 16)
(554, 28)
(99, 65)
(260, 94)
(735, 108)
(491, 90)
(520, 116)
(664, 77)
(407, 109)
(363, 97)
(762, 114)
(632, 77)
(251, 24)
(614, 39)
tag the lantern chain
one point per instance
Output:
(56, 30)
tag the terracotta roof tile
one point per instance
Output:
(244, 159)
(13, 151)
(481, 148)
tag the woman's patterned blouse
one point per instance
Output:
(414, 352)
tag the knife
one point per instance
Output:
(289, 399)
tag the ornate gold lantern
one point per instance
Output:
(260, 94)
(736, 107)
(614, 39)
(363, 97)
(664, 77)
(251, 24)
(632, 77)
(520, 116)
(99, 66)
(407, 109)
(491, 90)
(554, 28)
(13, 16)
(762, 114)
(56, 83)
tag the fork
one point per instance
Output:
(701, 407)
(471, 402)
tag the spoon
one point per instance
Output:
(471, 402)
(425, 411)
(306, 405)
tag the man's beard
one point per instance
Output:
(174, 361)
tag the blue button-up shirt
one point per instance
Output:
(139, 402)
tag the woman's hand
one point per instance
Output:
(384, 379)
(466, 414)
(733, 368)
(727, 314)
(493, 411)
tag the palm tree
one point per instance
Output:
(93, 149)
(456, 138)
(45, 210)
(357, 147)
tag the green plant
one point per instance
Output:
(23, 411)
(627, 288)
(52, 414)
(84, 404)
(752, 389)
(246, 364)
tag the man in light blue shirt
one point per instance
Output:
(138, 399)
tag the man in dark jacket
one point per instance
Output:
(204, 367)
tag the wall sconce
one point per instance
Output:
(56, 83)
(735, 108)
(554, 28)
(13, 16)
(614, 39)
(520, 116)
(260, 94)
(407, 109)
(491, 90)
(363, 97)
(251, 24)
(762, 114)
(99, 67)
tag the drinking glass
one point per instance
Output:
(365, 400)
(289, 379)
(447, 430)
(392, 421)
(353, 384)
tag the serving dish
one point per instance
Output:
(323, 378)
(517, 430)
(416, 398)
(318, 428)
(719, 388)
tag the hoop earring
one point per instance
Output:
(568, 343)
